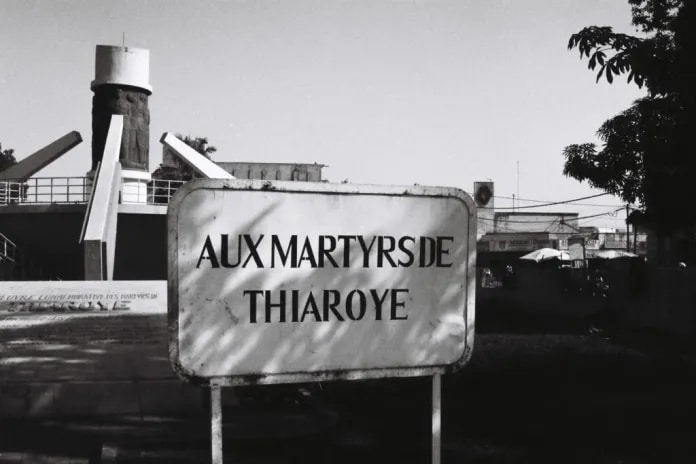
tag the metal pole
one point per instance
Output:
(635, 238)
(628, 245)
(518, 183)
(437, 411)
(216, 423)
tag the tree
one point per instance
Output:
(12, 192)
(181, 171)
(7, 158)
(647, 156)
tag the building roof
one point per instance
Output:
(273, 164)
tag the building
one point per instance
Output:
(308, 172)
(274, 171)
(619, 239)
(510, 235)
(503, 236)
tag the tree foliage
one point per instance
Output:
(181, 171)
(7, 158)
(647, 154)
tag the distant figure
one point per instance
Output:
(487, 278)
(599, 287)
(605, 319)
(509, 278)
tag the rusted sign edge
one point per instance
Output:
(323, 188)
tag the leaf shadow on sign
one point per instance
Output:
(217, 337)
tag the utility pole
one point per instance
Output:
(518, 183)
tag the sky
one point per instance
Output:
(439, 93)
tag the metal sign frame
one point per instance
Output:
(328, 189)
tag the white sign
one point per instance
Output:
(275, 282)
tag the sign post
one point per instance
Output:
(437, 418)
(216, 423)
(281, 282)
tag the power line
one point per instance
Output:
(546, 201)
(595, 205)
(622, 219)
(601, 214)
(553, 202)
(521, 222)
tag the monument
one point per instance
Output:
(121, 86)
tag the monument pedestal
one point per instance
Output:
(134, 186)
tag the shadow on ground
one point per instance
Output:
(534, 391)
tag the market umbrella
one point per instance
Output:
(613, 254)
(545, 254)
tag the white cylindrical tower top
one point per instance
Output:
(122, 66)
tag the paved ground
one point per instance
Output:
(566, 397)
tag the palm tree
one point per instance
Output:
(200, 144)
(181, 171)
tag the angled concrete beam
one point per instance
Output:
(33, 163)
(200, 164)
(99, 227)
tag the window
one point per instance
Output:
(300, 175)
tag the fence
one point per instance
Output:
(46, 190)
(8, 258)
(8, 250)
(160, 191)
(76, 190)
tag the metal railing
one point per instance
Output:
(8, 259)
(16, 265)
(157, 192)
(161, 191)
(76, 190)
(46, 190)
(8, 250)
